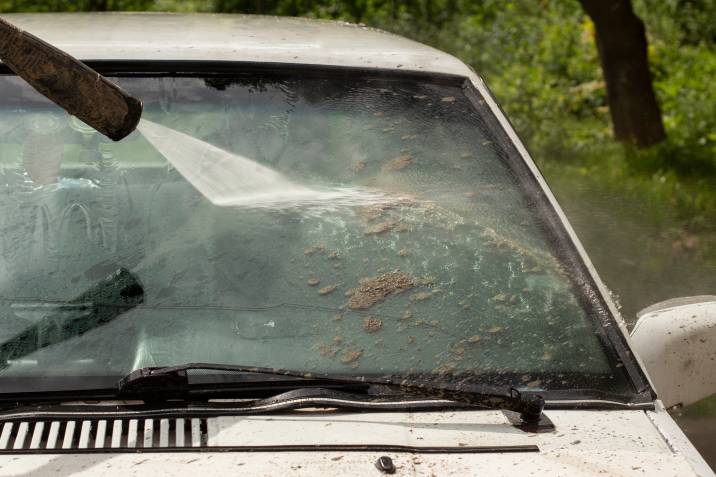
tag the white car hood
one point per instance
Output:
(585, 443)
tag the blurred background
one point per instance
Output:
(634, 169)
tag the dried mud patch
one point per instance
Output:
(372, 324)
(376, 289)
(327, 290)
(398, 163)
(351, 356)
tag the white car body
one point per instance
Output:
(643, 440)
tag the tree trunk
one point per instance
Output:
(622, 45)
(97, 5)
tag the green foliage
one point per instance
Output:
(707, 407)
(686, 22)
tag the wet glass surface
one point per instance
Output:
(356, 225)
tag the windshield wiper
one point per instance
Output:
(172, 382)
(106, 300)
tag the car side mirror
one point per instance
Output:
(676, 341)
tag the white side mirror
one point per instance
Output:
(676, 341)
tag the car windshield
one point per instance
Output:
(337, 221)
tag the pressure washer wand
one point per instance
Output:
(69, 83)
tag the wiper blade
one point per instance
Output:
(172, 382)
(109, 298)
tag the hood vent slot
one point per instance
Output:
(103, 434)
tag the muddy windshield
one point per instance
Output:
(361, 224)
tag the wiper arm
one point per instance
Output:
(172, 382)
(109, 298)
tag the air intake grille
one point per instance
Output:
(103, 434)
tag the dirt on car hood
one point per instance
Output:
(584, 443)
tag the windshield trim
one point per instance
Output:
(237, 69)
(588, 287)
